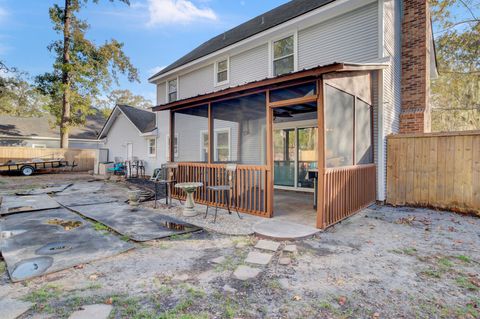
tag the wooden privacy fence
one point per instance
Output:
(249, 194)
(85, 158)
(440, 170)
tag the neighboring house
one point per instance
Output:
(312, 84)
(131, 133)
(38, 132)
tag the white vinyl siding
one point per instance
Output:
(124, 132)
(197, 82)
(161, 93)
(391, 78)
(351, 37)
(249, 66)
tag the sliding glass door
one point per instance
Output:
(295, 153)
(284, 157)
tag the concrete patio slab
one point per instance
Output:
(255, 257)
(267, 245)
(244, 272)
(12, 308)
(100, 311)
(137, 223)
(49, 189)
(44, 242)
(21, 204)
(283, 230)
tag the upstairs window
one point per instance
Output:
(284, 56)
(172, 91)
(221, 72)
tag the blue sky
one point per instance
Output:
(155, 32)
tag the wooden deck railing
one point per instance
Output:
(347, 190)
(249, 194)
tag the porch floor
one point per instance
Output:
(296, 207)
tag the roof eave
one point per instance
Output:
(314, 72)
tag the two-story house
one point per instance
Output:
(301, 98)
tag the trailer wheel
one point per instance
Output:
(27, 170)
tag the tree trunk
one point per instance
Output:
(66, 108)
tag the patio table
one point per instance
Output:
(189, 189)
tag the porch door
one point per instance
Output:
(295, 152)
(129, 151)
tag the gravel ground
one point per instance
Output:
(384, 262)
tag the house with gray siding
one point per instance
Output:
(301, 94)
(130, 134)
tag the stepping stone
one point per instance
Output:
(290, 248)
(267, 245)
(244, 272)
(258, 258)
(284, 261)
(229, 289)
(92, 311)
(218, 260)
(182, 277)
(12, 308)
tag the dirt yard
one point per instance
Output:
(382, 263)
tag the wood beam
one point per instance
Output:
(171, 148)
(210, 134)
(321, 218)
(269, 146)
(300, 100)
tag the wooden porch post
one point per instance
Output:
(269, 146)
(321, 217)
(171, 147)
(210, 134)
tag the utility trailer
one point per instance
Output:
(27, 168)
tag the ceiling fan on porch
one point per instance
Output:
(281, 113)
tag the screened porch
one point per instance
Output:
(309, 132)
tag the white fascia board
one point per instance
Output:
(304, 21)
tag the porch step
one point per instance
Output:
(283, 230)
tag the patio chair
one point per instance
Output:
(165, 176)
(227, 190)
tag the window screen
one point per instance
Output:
(363, 133)
(190, 123)
(339, 116)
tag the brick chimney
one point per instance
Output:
(416, 45)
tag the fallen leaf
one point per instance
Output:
(342, 300)
(81, 266)
(296, 298)
(109, 301)
(475, 281)
(376, 315)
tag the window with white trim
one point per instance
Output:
(284, 56)
(221, 144)
(172, 90)
(221, 72)
(152, 147)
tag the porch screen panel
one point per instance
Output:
(240, 130)
(191, 132)
(363, 133)
(339, 116)
(293, 92)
